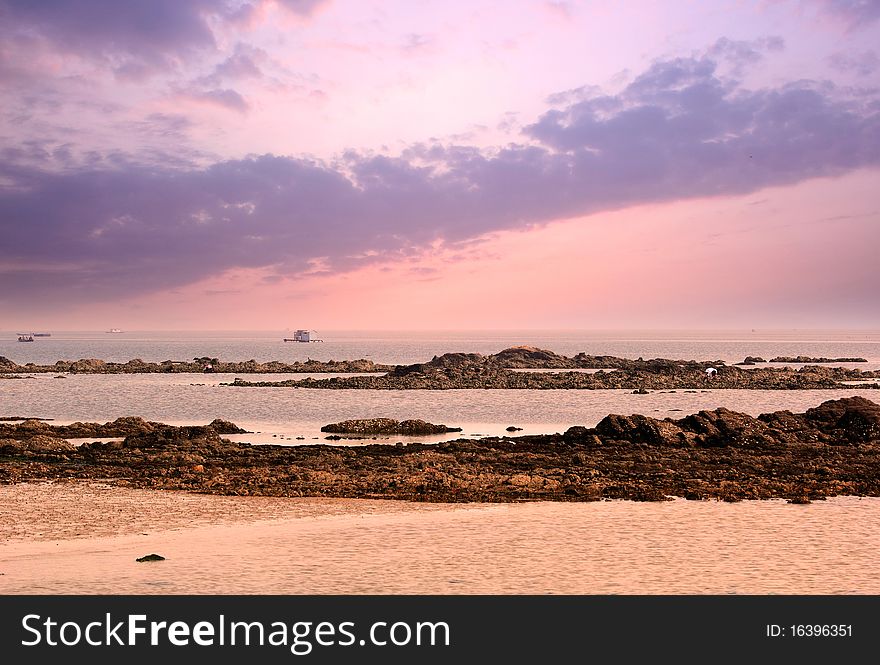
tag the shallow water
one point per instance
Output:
(293, 546)
(286, 413)
(72, 538)
(280, 415)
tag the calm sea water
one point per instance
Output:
(71, 539)
(279, 415)
(410, 347)
(283, 414)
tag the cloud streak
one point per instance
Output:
(679, 130)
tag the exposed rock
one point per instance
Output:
(474, 371)
(642, 429)
(417, 427)
(723, 427)
(387, 426)
(197, 365)
(35, 444)
(125, 426)
(513, 428)
(150, 557)
(531, 357)
(833, 449)
(853, 419)
(581, 435)
(808, 359)
(167, 436)
(226, 427)
(87, 365)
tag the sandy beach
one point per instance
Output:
(67, 538)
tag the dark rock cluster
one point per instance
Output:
(832, 449)
(506, 370)
(196, 365)
(118, 428)
(808, 359)
(387, 426)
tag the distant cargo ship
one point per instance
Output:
(42, 334)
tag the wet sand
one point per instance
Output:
(54, 511)
(84, 537)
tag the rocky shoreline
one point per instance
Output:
(830, 450)
(509, 370)
(121, 427)
(808, 359)
(195, 366)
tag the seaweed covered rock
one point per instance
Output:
(189, 437)
(642, 429)
(387, 426)
(851, 419)
(36, 444)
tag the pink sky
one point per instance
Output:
(331, 164)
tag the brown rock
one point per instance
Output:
(387, 426)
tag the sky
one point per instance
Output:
(422, 164)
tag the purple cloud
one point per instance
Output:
(741, 53)
(855, 14)
(99, 27)
(146, 35)
(679, 130)
(864, 63)
(301, 7)
(223, 97)
(242, 64)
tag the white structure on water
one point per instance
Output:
(302, 336)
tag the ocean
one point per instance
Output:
(399, 347)
(280, 415)
(83, 538)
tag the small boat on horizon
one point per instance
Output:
(25, 338)
(114, 330)
(302, 336)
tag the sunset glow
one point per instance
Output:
(260, 164)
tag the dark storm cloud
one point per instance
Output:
(677, 131)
